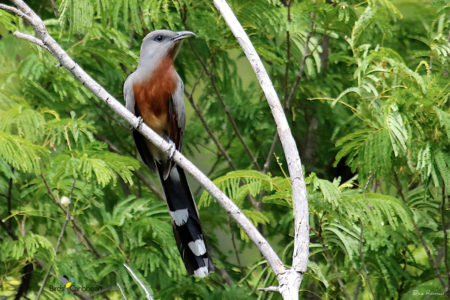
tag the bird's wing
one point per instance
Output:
(177, 115)
(139, 139)
(128, 94)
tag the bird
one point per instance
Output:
(155, 94)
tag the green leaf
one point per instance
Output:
(21, 153)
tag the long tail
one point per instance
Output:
(186, 223)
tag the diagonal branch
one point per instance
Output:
(75, 224)
(444, 229)
(147, 293)
(15, 11)
(216, 141)
(432, 261)
(289, 280)
(30, 38)
(225, 106)
(66, 61)
(58, 243)
(288, 96)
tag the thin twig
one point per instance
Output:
(58, 243)
(216, 141)
(104, 291)
(15, 11)
(30, 38)
(363, 262)
(270, 289)
(270, 155)
(288, 51)
(419, 234)
(444, 229)
(225, 107)
(299, 77)
(75, 224)
(55, 9)
(9, 197)
(121, 291)
(288, 96)
(147, 293)
(366, 271)
(233, 242)
(329, 257)
(77, 293)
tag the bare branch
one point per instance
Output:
(77, 227)
(288, 96)
(58, 243)
(329, 257)
(9, 197)
(208, 129)
(55, 9)
(363, 262)
(225, 107)
(66, 61)
(216, 141)
(270, 289)
(147, 293)
(289, 280)
(30, 38)
(270, 155)
(444, 229)
(77, 293)
(432, 261)
(121, 291)
(15, 11)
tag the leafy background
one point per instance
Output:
(365, 87)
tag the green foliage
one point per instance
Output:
(370, 116)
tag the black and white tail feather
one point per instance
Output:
(185, 222)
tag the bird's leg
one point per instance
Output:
(172, 148)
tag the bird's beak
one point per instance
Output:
(182, 35)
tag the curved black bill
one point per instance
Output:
(183, 34)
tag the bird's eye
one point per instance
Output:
(158, 38)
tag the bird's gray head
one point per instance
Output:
(159, 43)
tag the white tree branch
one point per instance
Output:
(15, 11)
(289, 281)
(270, 289)
(66, 61)
(147, 293)
(121, 291)
(30, 38)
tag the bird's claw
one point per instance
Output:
(140, 121)
(172, 148)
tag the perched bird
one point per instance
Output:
(155, 93)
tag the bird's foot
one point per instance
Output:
(140, 121)
(172, 148)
